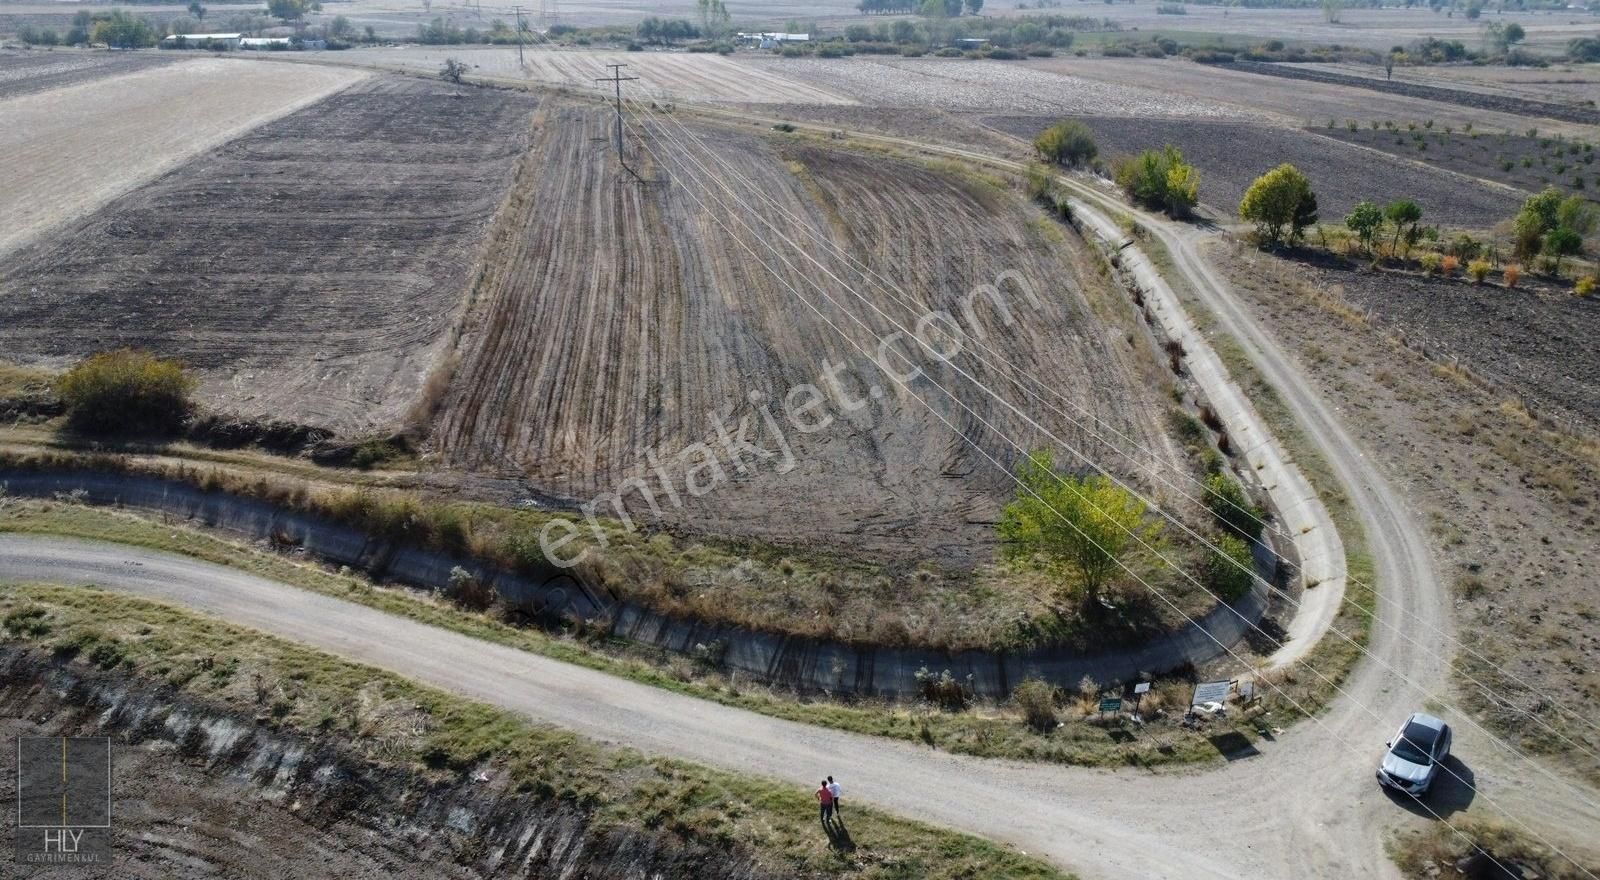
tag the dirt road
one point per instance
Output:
(1306, 807)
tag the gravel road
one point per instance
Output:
(1305, 807)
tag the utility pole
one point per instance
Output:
(616, 78)
(518, 11)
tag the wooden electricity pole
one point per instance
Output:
(617, 79)
(518, 11)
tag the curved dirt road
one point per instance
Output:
(1306, 807)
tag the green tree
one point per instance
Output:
(1160, 179)
(1364, 220)
(1544, 213)
(288, 10)
(120, 30)
(1087, 525)
(196, 10)
(1281, 205)
(1067, 143)
(1562, 242)
(974, 6)
(126, 392)
(1405, 215)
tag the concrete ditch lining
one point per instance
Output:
(806, 664)
(1300, 509)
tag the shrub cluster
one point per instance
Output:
(126, 392)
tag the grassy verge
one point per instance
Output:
(792, 591)
(1333, 657)
(982, 729)
(300, 690)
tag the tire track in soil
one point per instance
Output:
(617, 316)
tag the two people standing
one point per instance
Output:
(828, 799)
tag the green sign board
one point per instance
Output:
(1110, 704)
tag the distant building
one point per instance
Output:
(281, 43)
(972, 42)
(771, 40)
(202, 41)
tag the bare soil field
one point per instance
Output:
(26, 72)
(309, 269)
(1575, 84)
(663, 318)
(73, 149)
(1297, 102)
(1510, 502)
(1533, 343)
(670, 76)
(1519, 105)
(58, 15)
(1367, 28)
(993, 86)
(1527, 163)
(1232, 154)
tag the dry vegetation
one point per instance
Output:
(24, 73)
(1509, 498)
(72, 149)
(309, 270)
(665, 318)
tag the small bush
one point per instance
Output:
(1584, 287)
(1512, 274)
(944, 690)
(126, 392)
(1232, 508)
(1430, 262)
(467, 591)
(1478, 270)
(1229, 568)
(1036, 700)
(1448, 265)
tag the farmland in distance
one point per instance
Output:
(307, 269)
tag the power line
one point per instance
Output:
(903, 384)
(617, 79)
(957, 401)
(1152, 467)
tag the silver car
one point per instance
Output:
(1415, 754)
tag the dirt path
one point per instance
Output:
(1242, 821)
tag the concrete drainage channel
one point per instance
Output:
(1303, 515)
(805, 664)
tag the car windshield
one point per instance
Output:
(1415, 744)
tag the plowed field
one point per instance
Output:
(619, 315)
(309, 268)
(68, 151)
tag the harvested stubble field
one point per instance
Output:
(1297, 102)
(1575, 84)
(1232, 154)
(619, 315)
(668, 76)
(72, 149)
(26, 72)
(994, 86)
(310, 269)
(1500, 157)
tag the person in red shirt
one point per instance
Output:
(825, 799)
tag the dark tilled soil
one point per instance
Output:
(24, 73)
(309, 269)
(1537, 344)
(1570, 165)
(1232, 154)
